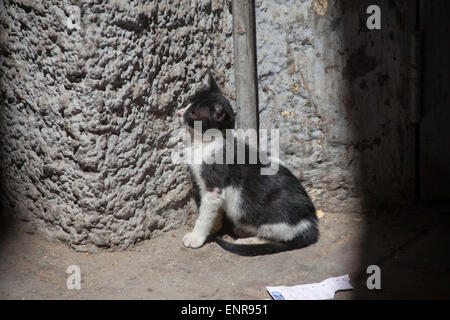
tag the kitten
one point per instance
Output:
(274, 208)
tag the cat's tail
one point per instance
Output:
(268, 247)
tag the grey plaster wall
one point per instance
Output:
(86, 115)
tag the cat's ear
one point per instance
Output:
(210, 83)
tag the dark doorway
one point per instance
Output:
(434, 126)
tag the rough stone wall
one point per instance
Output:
(87, 108)
(339, 94)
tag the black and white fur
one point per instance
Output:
(273, 208)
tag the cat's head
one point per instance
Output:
(209, 106)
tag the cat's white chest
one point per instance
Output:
(200, 153)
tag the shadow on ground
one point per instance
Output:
(409, 247)
(408, 241)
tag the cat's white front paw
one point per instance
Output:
(192, 240)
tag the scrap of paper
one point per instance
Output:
(315, 291)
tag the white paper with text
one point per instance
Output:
(315, 291)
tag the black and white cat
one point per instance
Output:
(273, 208)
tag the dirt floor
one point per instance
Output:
(411, 248)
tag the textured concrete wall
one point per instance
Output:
(339, 93)
(87, 113)
(301, 89)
